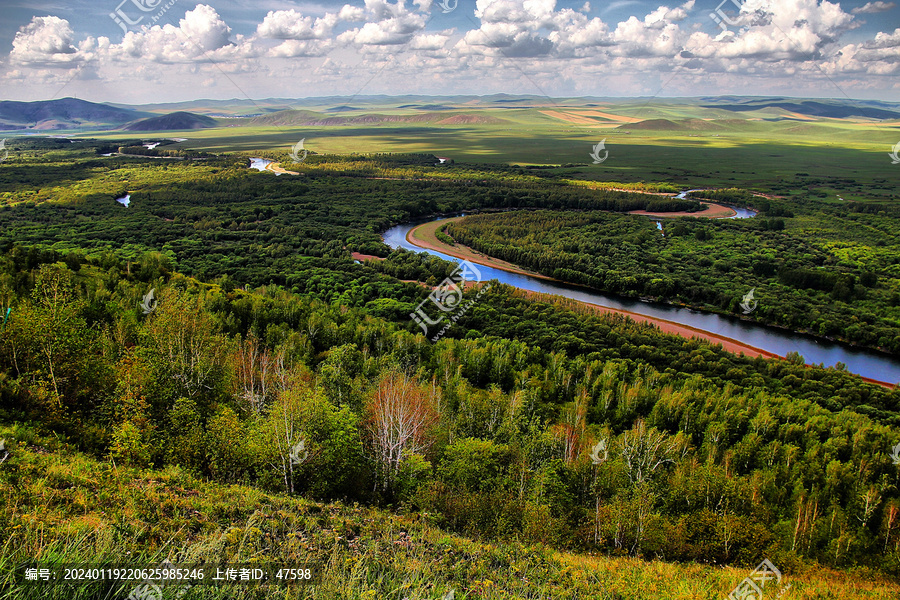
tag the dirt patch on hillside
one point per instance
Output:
(364, 257)
(570, 118)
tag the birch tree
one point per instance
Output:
(645, 450)
(400, 417)
(288, 442)
(259, 374)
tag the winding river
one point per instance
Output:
(870, 364)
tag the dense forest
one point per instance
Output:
(269, 358)
(216, 217)
(227, 383)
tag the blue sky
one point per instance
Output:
(173, 50)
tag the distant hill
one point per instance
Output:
(176, 121)
(427, 106)
(695, 115)
(310, 118)
(813, 109)
(64, 113)
(679, 125)
(470, 120)
(290, 111)
(653, 124)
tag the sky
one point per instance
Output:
(149, 51)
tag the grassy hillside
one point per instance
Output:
(178, 121)
(59, 505)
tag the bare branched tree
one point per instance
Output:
(259, 374)
(400, 417)
(572, 430)
(646, 450)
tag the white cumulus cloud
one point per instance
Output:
(873, 7)
(49, 41)
(292, 25)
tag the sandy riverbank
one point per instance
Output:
(713, 211)
(277, 168)
(424, 236)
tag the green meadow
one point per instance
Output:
(683, 144)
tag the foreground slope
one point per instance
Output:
(59, 505)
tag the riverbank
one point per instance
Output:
(713, 211)
(424, 236)
(670, 327)
(279, 170)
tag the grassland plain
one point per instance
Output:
(668, 143)
(60, 506)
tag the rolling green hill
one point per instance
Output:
(64, 113)
(178, 121)
(298, 118)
